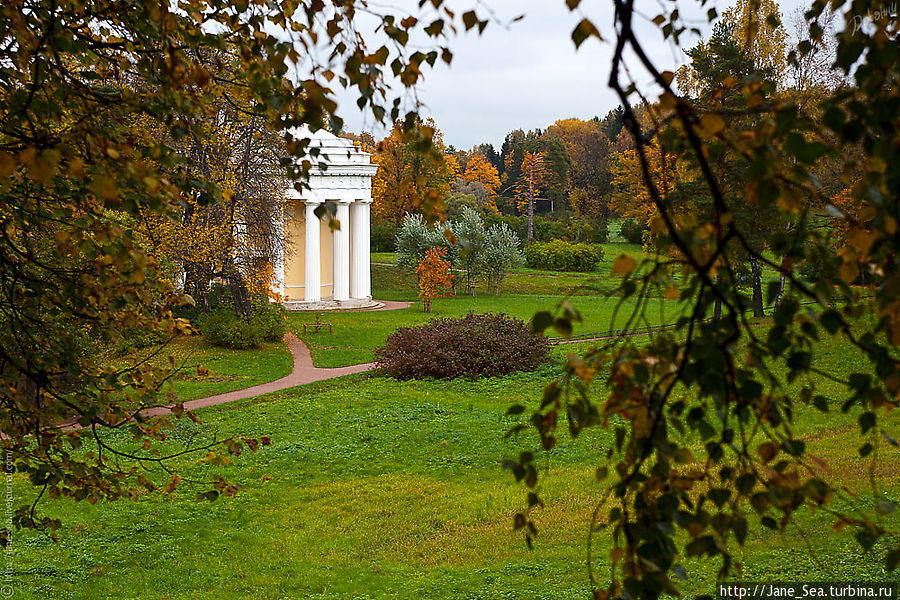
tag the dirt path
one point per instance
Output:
(302, 373)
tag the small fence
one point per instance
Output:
(612, 333)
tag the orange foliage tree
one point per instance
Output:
(534, 175)
(587, 149)
(409, 180)
(479, 169)
(434, 276)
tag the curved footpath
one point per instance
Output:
(303, 372)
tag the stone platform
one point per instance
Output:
(329, 304)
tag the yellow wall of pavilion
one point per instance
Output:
(295, 261)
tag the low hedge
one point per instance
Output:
(557, 255)
(473, 346)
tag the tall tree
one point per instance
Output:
(408, 180)
(488, 151)
(719, 66)
(759, 29)
(535, 176)
(235, 238)
(75, 178)
(587, 149)
(512, 152)
(480, 170)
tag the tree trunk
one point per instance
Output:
(530, 219)
(196, 286)
(239, 292)
(531, 207)
(757, 287)
(780, 292)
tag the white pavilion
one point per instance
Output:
(321, 268)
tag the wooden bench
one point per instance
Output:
(316, 326)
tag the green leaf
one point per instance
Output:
(866, 421)
(541, 321)
(563, 326)
(885, 507)
(891, 560)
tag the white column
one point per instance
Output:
(278, 265)
(360, 262)
(313, 274)
(342, 253)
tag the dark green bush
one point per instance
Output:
(473, 346)
(384, 236)
(223, 327)
(136, 338)
(544, 229)
(558, 255)
(632, 231)
(589, 231)
(269, 318)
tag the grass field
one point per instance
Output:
(353, 338)
(378, 489)
(374, 488)
(220, 371)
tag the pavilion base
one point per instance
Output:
(331, 304)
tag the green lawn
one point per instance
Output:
(353, 339)
(219, 370)
(374, 488)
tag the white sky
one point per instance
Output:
(528, 75)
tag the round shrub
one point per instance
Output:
(223, 327)
(558, 255)
(268, 318)
(473, 346)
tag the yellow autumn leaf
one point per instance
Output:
(668, 101)
(672, 293)
(657, 225)
(849, 272)
(623, 265)
(105, 188)
(712, 124)
(7, 164)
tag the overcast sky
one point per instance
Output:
(528, 75)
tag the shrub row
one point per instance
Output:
(473, 346)
(571, 229)
(558, 255)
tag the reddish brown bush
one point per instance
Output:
(473, 346)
